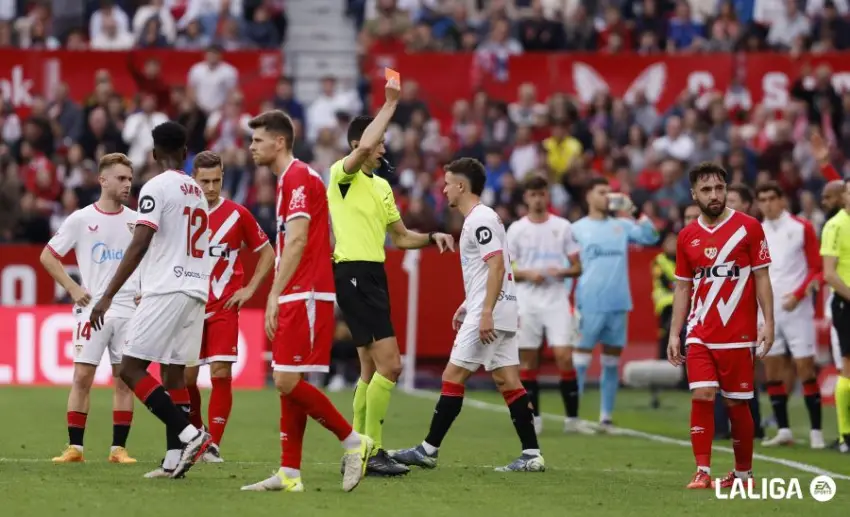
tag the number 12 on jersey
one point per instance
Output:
(196, 219)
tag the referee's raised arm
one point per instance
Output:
(363, 210)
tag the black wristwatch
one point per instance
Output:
(431, 238)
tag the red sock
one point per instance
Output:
(321, 409)
(702, 431)
(743, 435)
(195, 402)
(512, 395)
(76, 427)
(221, 401)
(293, 422)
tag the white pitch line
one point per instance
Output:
(325, 463)
(796, 465)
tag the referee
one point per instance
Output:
(835, 250)
(363, 211)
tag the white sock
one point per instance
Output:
(112, 449)
(603, 417)
(78, 447)
(531, 452)
(707, 470)
(743, 474)
(351, 441)
(430, 450)
(172, 458)
(290, 473)
(186, 435)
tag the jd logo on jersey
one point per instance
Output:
(483, 235)
(101, 253)
(146, 205)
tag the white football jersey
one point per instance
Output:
(178, 260)
(99, 240)
(483, 236)
(540, 246)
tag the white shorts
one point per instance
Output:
(555, 324)
(795, 332)
(167, 329)
(90, 344)
(469, 352)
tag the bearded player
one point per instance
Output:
(722, 258)
(231, 228)
(99, 234)
(300, 309)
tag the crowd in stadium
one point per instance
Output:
(47, 160)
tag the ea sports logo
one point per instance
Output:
(822, 489)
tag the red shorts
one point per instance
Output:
(305, 332)
(221, 335)
(730, 369)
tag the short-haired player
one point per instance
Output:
(486, 324)
(170, 246)
(544, 253)
(300, 319)
(99, 235)
(233, 232)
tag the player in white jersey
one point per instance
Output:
(486, 324)
(98, 234)
(796, 265)
(171, 242)
(541, 245)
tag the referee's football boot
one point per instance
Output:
(525, 463)
(415, 457)
(382, 465)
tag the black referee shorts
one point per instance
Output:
(363, 296)
(841, 321)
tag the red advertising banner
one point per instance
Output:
(661, 78)
(28, 73)
(23, 282)
(38, 349)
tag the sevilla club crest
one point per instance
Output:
(131, 227)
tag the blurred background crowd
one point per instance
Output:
(47, 160)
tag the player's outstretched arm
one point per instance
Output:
(495, 278)
(142, 236)
(407, 239)
(57, 271)
(642, 231)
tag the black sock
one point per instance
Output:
(120, 434)
(448, 408)
(160, 404)
(779, 402)
(813, 403)
(569, 393)
(532, 387)
(172, 436)
(76, 427)
(523, 419)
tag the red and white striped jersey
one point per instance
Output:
(231, 227)
(795, 255)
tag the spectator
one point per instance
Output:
(151, 36)
(499, 44)
(562, 150)
(261, 30)
(284, 99)
(674, 143)
(67, 114)
(787, 28)
(111, 36)
(322, 112)
(138, 128)
(193, 37)
(212, 80)
(539, 32)
(108, 11)
(684, 33)
(155, 9)
(526, 111)
(227, 128)
(208, 13)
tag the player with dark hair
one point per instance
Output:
(722, 260)
(796, 264)
(231, 228)
(300, 308)
(544, 253)
(486, 324)
(740, 197)
(170, 243)
(603, 293)
(363, 212)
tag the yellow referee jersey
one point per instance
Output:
(835, 242)
(361, 207)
